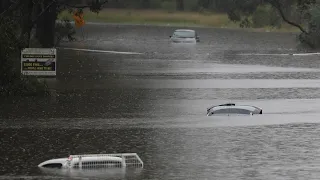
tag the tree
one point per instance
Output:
(42, 14)
(17, 20)
(180, 5)
(145, 4)
(240, 11)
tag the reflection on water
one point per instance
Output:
(119, 173)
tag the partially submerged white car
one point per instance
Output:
(231, 108)
(94, 161)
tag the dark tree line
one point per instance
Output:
(179, 5)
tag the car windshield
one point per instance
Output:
(184, 34)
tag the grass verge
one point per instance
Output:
(160, 17)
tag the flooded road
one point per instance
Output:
(127, 89)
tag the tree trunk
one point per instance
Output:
(45, 31)
(4, 5)
(179, 5)
(26, 24)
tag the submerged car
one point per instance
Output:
(94, 161)
(86, 161)
(184, 36)
(231, 108)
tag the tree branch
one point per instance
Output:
(61, 3)
(12, 7)
(277, 5)
(55, 1)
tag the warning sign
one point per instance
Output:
(38, 61)
(78, 18)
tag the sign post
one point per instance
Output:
(39, 62)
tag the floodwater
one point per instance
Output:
(127, 89)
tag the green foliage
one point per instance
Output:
(260, 17)
(95, 6)
(169, 6)
(245, 23)
(264, 16)
(312, 38)
(305, 5)
(306, 11)
(240, 11)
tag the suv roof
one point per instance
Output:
(184, 30)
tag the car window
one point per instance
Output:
(184, 34)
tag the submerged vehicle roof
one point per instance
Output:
(185, 30)
(232, 108)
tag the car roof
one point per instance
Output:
(244, 107)
(185, 30)
(232, 106)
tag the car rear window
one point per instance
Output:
(232, 111)
(184, 34)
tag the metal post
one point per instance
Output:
(123, 162)
(80, 162)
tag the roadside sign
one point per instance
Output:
(78, 19)
(39, 61)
